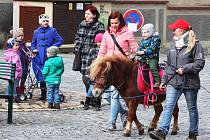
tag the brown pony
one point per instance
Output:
(122, 73)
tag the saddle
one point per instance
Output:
(144, 70)
(145, 82)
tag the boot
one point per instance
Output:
(92, 102)
(87, 103)
(50, 105)
(43, 91)
(43, 94)
(98, 104)
(57, 106)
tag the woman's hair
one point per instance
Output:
(191, 40)
(118, 15)
(94, 11)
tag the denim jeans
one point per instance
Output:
(53, 93)
(172, 96)
(116, 103)
(89, 93)
(14, 89)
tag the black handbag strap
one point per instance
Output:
(118, 46)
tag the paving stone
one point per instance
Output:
(74, 123)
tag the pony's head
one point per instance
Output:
(99, 74)
(108, 70)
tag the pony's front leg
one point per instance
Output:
(132, 106)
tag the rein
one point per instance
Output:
(140, 96)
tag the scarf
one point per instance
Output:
(179, 41)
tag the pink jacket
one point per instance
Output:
(125, 39)
(11, 56)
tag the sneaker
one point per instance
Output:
(157, 135)
(124, 118)
(112, 127)
(192, 137)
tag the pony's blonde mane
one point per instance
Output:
(104, 65)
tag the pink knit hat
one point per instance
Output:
(98, 38)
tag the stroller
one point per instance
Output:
(26, 92)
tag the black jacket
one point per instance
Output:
(191, 62)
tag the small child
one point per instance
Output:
(98, 39)
(18, 36)
(149, 50)
(89, 96)
(11, 55)
(52, 71)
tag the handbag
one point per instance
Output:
(118, 46)
(77, 63)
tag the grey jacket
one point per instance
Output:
(191, 62)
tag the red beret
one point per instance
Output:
(179, 23)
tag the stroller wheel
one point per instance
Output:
(29, 95)
(62, 97)
(22, 97)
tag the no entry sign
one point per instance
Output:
(134, 19)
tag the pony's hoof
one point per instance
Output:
(127, 133)
(150, 129)
(173, 132)
(141, 132)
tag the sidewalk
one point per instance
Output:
(71, 85)
(79, 124)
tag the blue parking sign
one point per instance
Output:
(134, 18)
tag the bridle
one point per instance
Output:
(109, 80)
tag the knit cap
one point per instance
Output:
(98, 38)
(53, 50)
(43, 17)
(149, 28)
(17, 32)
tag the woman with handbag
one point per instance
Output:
(117, 40)
(85, 43)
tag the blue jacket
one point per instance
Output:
(42, 39)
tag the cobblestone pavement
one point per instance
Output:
(75, 123)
